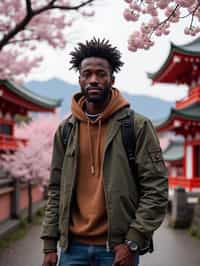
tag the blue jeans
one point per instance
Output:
(87, 255)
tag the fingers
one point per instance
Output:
(49, 263)
(50, 259)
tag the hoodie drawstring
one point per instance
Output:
(92, 169)
(97, 150)
(98, 143)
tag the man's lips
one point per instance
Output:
(94, 90)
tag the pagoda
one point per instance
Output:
(18, 100)
(182, 66)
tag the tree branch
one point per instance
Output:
(19, 27)
(23, 40)
(192, 19)
(51, 6)
(28, 6)
(164, 21)
(193, 13)
(31, 13)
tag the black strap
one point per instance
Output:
(66, 132)
(129, 141)
(129, 138)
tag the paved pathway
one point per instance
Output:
(172, 248)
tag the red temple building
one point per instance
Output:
(182, 66)
(14, 199)
(17, 100)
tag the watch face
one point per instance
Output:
(132, 245)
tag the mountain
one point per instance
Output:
(56, 89)
(151, 107)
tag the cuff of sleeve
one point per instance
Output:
(50, 245)
(136, 236)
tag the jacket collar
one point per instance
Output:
(119, 115)
(114, 125)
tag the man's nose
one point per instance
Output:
(94, 79)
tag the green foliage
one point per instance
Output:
(195, 232)
(19, 233)
(21, 230)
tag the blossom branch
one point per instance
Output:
(28, 6)
(171, 9)
(193, 14)
(166, 20)
(62, 7)
(31, 13)
(26, 21)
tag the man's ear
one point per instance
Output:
(113, 79)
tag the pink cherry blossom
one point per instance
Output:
(32, 161)
(156, 17)
(45, 22)
(130, 15)
(185, 3)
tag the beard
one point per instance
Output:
(98, 98)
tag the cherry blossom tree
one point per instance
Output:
(156, 17)
(31, 162)
(24, 24)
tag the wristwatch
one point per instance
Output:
(133, 246)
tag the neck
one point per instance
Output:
(96, 108)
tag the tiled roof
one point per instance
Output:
(31, 96)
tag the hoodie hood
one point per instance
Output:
(116, 103)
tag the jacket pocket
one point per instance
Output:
(64, 210)
(123, 212)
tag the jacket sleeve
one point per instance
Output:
(50, 232)
(152, 183)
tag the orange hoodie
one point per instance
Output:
(88, 223)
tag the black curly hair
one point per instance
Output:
(96, 48)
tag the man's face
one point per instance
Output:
(95, 79)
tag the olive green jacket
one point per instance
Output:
(135, 205)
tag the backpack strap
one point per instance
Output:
(67, 128)
(129, 141)
(129, 138)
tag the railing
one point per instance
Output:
(181, 181)
(10, 143)
(193, 96)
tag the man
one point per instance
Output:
(101, 212)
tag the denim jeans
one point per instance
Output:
(87, 255)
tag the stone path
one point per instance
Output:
(172, 248)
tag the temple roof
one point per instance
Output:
(191, 48)
(174, 151)
(30, 96)
(191, 112)
(179, 64)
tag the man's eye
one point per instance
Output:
(101, 74)
(86, 74)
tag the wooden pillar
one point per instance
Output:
(15, 208)
(189, 160)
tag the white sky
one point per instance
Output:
(109, 23)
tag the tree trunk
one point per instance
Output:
(30, 203)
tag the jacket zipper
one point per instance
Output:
(70, 197)
(108, 216)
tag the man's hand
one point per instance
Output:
(50, 259)
(123, 256)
